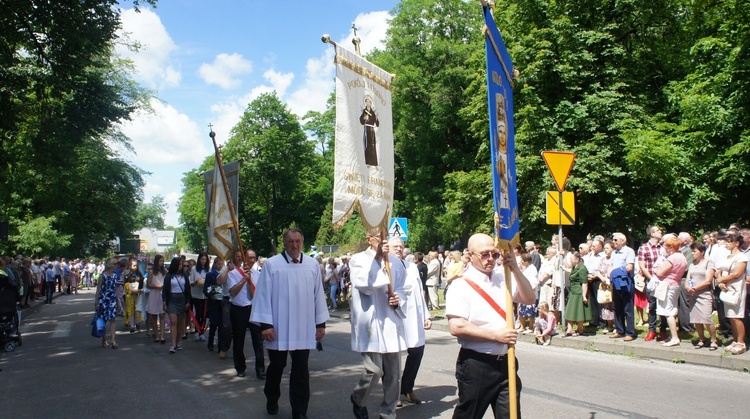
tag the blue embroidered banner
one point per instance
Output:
(502, 133)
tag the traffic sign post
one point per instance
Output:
(398, 227)
(561, 208)
(559, 164)
(560, 205)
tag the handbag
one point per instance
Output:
(730, 296)
(639, 282)
(97, 326)
(660, 293)
(604, 294)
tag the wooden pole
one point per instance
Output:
(510, 324)
(220, 161)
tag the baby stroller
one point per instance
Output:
(10, 335)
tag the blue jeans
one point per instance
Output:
(334, 288)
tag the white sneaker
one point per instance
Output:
(179, 347)
(172, 349)
(197, 337)
(203, 338)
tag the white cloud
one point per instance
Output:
(172, 218)
(318, 85)
(371, 28)
(154, 60)
(224, 70)
(166, 136)
(227, 114)
(320, 72)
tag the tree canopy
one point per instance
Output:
(62, 95)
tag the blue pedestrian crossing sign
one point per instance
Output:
(398, 228)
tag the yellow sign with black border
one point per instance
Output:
(561, 208)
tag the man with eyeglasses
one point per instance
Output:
(482, 365)
(623, 258)
(377, 323)
(648, 254)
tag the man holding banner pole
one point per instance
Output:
(476, 310)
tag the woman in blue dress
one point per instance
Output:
(106, 302)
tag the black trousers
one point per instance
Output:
(240, 318)
(411, 367)
(596, 312)
(299, 380)
(214, 314)
(225, 336)
(622, 302)
(652, 322)
(483, 382)
(725, 327)
(199, 305)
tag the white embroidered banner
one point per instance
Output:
(219, 219)
(363, 174)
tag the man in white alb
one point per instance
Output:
(377, 324)
(290, 306)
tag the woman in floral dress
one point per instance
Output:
(106, 302)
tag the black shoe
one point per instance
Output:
(241, 374)
(261, 374)
(210, 347)
(359, 412)
(272, 407)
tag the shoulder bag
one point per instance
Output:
(731, 296)
(604, 294)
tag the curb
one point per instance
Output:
(683, 354)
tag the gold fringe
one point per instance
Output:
(362, 71)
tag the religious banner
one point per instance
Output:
(502, 132)
(220, 222)
(232, 174)
(363, 174)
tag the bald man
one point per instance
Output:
(482, 365)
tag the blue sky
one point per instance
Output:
(207, 60)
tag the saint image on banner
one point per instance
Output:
(369, 119)
(501, 164)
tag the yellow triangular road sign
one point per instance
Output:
(559, 164)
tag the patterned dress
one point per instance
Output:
(107, 298)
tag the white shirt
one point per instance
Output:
(463, 301)
(196, 291)
(592, 261)
(376, 326)
(290, 297)
(416, 307)
(242, 299)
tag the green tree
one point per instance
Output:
(428, 46)
(63, 96)
(280, 182)
(38, 236)
(151, 215)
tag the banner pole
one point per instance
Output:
(212, 134)
(510, 324)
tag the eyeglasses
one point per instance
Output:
(488, 255)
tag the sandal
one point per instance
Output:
(738, 349)
(114, 346)
(575, 334)
(700, 344)
(714, 346)
(671, 343)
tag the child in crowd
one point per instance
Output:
(544, 328)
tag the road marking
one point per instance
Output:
(62, 330)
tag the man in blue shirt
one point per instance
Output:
(623, 257)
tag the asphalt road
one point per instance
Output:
(63, 372)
